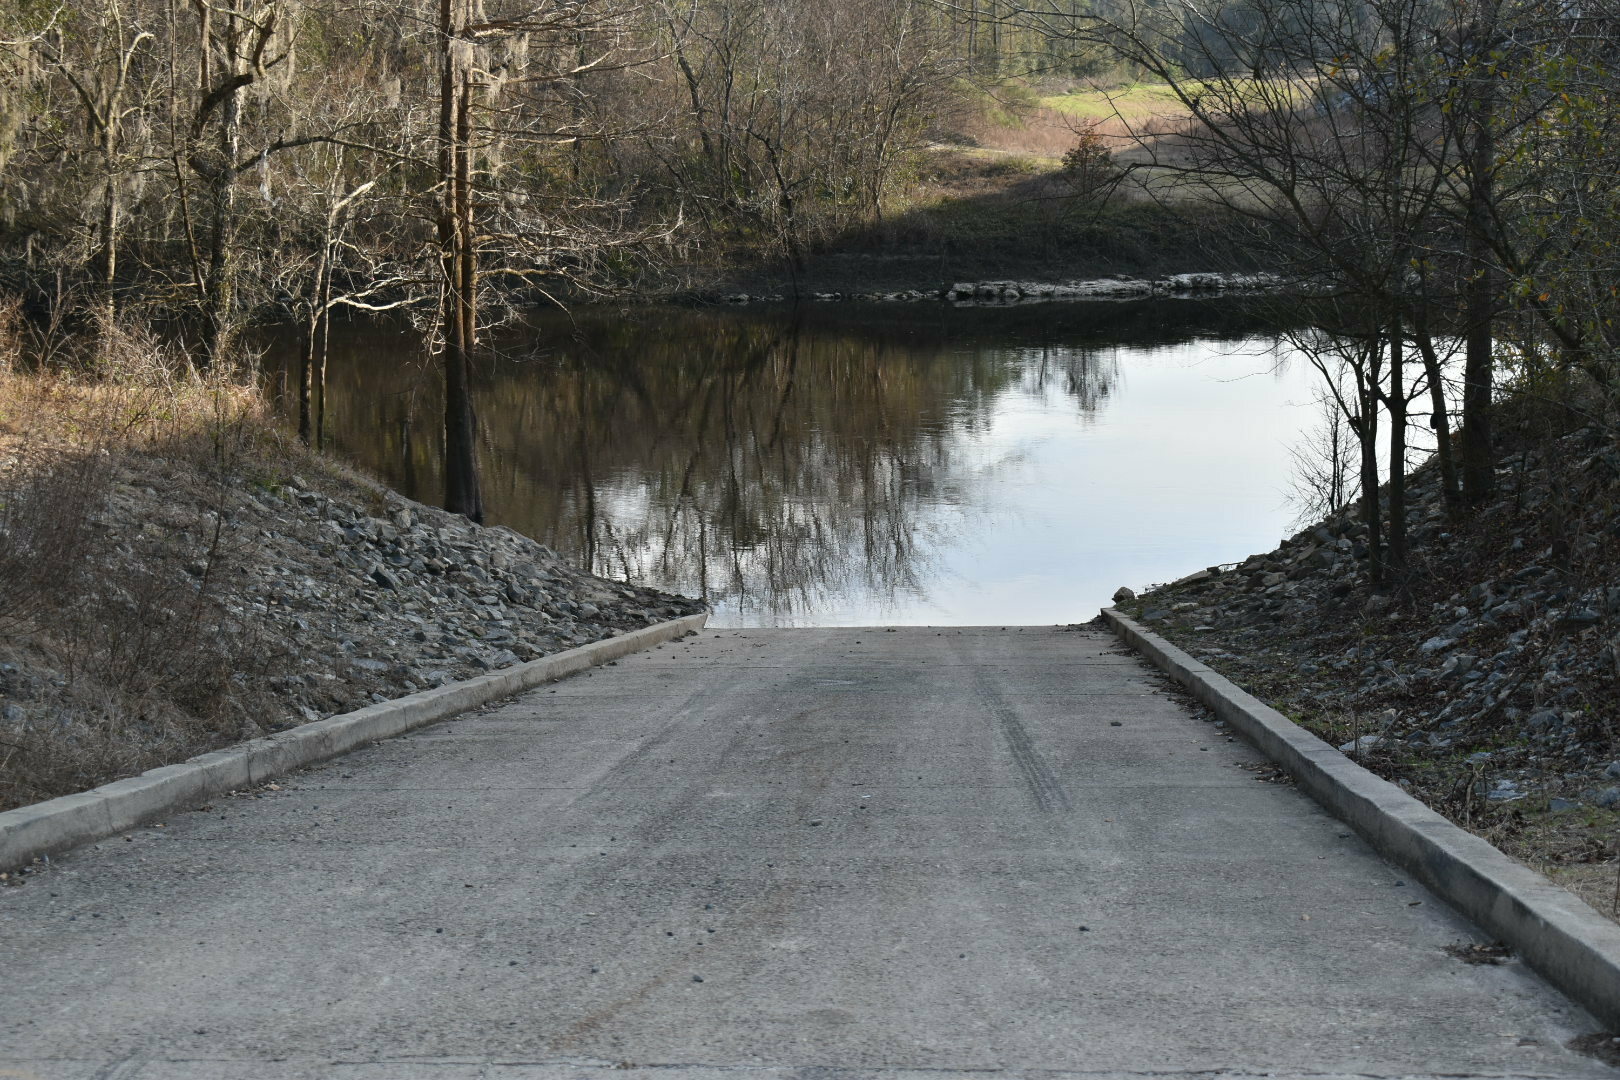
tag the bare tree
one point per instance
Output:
(498, 218)
(1328, 127)
(102, 86)
(799, 114)
(1324, 464)
(240, 42)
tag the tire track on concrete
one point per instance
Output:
(1043, 785)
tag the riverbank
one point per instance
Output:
(1006, 292)
(179, 574)
(1492, 693)
(977, 216)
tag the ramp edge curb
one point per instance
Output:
(1570, 944)
(57, 825)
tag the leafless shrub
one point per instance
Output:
(48, 505)
(1325, 461)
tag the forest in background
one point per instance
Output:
(223, 161)
(1434, 176)
(228, 157)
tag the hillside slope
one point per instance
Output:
(1492, 691)
(170, 582)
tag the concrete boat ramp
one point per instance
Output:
(817, 854)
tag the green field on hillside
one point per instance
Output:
(1137, 101)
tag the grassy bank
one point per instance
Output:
(977, 213)
(119, 555)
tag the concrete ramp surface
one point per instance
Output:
(830, 854)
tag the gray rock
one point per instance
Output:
(1122, 594)
(1437, 644)
(1562, 806)
(1581, 617)
(1458, 665)
(384, 578)
(375, 667)
(1607, 798)
(1545, 720)
(1361, 745)
(1377, 604)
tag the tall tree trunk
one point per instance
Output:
(308, 361)
(1440, 421)
(1397, 559)
(219, 292)
(1366, 429)
(305, 379)
(323, 351)
(1478, 454)
(107, 258)
(462, 493)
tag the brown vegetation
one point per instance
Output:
(116, 650)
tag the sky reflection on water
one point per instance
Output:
(1183, 466)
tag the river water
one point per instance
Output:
(861, 465)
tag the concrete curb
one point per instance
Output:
(56, 825)
(1572, 946)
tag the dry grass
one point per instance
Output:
(117, 651)
(1122, 118)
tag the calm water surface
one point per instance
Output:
(902, 464)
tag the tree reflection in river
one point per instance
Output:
(768, 461)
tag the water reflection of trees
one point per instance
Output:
(763, 463)
(1089, 376)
